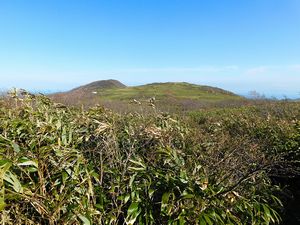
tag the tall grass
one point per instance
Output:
(63, 165)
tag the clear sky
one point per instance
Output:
(239, 45)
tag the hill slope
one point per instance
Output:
(167, 90)
(101, 84)
(112, 93)
(86, 94)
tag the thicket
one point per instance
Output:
(64, 165)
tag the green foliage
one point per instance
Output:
(61, 165)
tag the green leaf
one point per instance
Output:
(4, 166)
(208, 220)
(276, 216)
(150, 193)
(186, 195)
(202, 221)
(70, 137)
(133, 207)
(138, 165)
(277, 200)
(267, 213)
(167, 207)
(32, 169)
(132, 213)
(58, 124)
(136, 169)
(165, 200)
(16, 147)
(132, 178)
(2, 204)
(84, 220)
(216, 217)
(13, 181)
(181, 220)
(24, 161)
(64, 177)
(126, 198)
(64, 136)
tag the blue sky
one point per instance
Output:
(233, 44)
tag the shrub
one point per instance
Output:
(63, 165)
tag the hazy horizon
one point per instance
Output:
(248, 93)
(239, 46)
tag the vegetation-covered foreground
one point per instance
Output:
(62, 165)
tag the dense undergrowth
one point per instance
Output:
(63, 165)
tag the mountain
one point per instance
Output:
(101, 84)
(84, 94)
(114, 94)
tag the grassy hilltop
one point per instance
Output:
(168, 90)
(171, 95)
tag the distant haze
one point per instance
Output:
(235, 85)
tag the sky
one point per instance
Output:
(241, 46)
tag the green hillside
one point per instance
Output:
(168, 90)
(180, 95)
